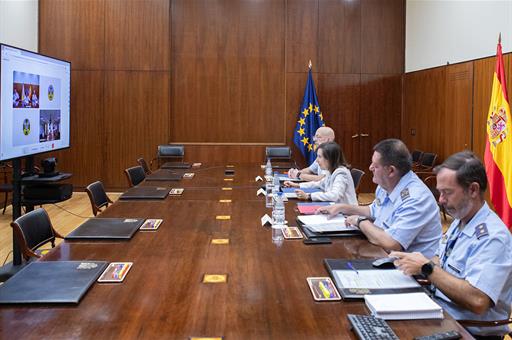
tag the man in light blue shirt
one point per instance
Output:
(404, 215)
(313, 172)
(471, 271)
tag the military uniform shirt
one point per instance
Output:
(482, 256)
(316, 170)
(409, 214)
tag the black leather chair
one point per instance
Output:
(134, 175)
(356, 177)
(279, 153)
(431, 183)
(142, 162)
(33, 230)
(97, 196)
(427, 162)
(170, 152)
(416, 157)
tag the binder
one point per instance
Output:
(348, 293)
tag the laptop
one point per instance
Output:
(176, 165)
(164, 175)
(106, 228)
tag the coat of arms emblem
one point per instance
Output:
(497, 126)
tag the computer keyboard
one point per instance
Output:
(368, 327)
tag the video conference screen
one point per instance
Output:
(34, 104)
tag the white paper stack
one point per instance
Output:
(321, 224)
(407, 306)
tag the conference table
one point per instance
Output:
(265, 296)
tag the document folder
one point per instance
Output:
(313, 234)
(176, 165)
(164, 175)
(361, 269)
(137, 193)
(106, 228)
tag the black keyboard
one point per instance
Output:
(368, 327)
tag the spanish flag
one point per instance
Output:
(498, 148)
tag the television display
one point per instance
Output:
(34, 103)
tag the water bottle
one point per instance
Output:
(268, 191)
(268, 169)
(278, 218)
(275, 187)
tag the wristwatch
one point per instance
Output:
(298, 174)
(427, 268)
(361, 219)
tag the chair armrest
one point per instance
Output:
(476, 323)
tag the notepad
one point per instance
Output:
(290, 192)
(407, 306)
(321, 223)
(374, 279)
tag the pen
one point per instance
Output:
(350, 266)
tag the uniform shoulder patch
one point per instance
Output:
(377, 201)
(481, 230)
(404, 194)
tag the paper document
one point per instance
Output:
(403, 306)
(317, 220)
(374, 279)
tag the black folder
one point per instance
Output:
(359, 293)
(164, 175)
(138, 193)
(51, 282)
(106, 228)
(176, 165)
(312, 234)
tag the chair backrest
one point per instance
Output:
(32, 230)
(170, 151)
(431, 183)
(278, 152)
(135, 175)
(142, 162)
(428, 159)
(97, 196)
(356, 177)
(416, 156)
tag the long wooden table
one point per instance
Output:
(266, 295)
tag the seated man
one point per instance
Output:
(404, 215)
(323, 134)
(471, 270)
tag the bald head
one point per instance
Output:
(324, 134)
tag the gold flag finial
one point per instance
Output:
(499, 39)
(310, 65)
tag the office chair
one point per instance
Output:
(356, 177)
(431, 183)
(416, 157)
(427, 162)
(142, 162)
(97, 196)
(6, 186)
(135, 175)
(278, 153)
(169, 152)
(33, 230)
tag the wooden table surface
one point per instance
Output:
(266, 295)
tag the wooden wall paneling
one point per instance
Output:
(228, 79)
(424, 109)
(382, 36)
(73, 30)
(137, 35)
(456, 123)
(339, 96)
(295, 85)
(225, 154)
(380, 117)
(84, 159)
(301, 34)
(136, 119)
(339, 36)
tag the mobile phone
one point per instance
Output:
(229, 172)
(317, 240)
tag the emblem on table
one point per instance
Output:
(220, 241)
(215, 278)
(87, 265)
(26, 127)
(51, 92)
(188, 175)
(223, 217)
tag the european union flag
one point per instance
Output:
(310, 119)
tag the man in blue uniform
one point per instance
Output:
(471, 271)
(404, 215)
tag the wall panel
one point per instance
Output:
(73, 30)
(137, 35)
(301, 34)
(136, 118)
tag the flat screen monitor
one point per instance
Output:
(34, 103)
